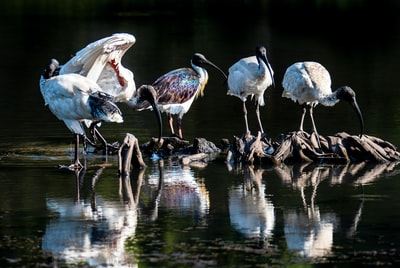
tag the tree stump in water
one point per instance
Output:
(294, 147)
(250, 150)
(340, 148)
(129, 154)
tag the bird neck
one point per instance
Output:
(329, 100)
(262, 66)
(203, 79)
(134, 103)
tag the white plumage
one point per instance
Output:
(250, 77)
(75, 99)
(101, 61)
(309, 84)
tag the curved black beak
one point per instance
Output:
(199, 59)
(265, 59)
(355, 106)
(216, 67)
(148, 93)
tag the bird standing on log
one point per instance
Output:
(101, 62)
(177, 89)
(250, 77)
(309, 84)
(75, 99)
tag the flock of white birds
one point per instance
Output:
(87, 88)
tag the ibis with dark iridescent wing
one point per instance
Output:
(177, 89)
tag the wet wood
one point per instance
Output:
(339, 148)
(250, 150)
(175, 145)
(294, 147)
(188, 159)
(129, 155)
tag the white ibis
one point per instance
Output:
(76, 99)
(177, 89)
(101, 62)
(250, 77)
(309, 84)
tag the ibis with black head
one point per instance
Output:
(177, 89)
(101, 61)
(76, 99)
(309, 84)
(250, 77)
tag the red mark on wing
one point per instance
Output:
(115, 66)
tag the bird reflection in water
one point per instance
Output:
(309, 232)
(250, 211)
(176, 188)
(93, 230)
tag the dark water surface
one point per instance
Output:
(212, 214)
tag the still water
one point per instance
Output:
(209, 214)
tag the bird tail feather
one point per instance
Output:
(104, 109)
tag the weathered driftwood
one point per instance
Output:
(340, 148)
(250, 150)
(175, 145)
(294, 147)
(129, 154)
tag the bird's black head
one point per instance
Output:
(260, 50)
(148, 93)
(200, 60)
(52, 69)
(348, 94)
(261, 54)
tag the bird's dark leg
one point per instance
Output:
(87, 140)
(77, 164)
(245, 117)
(259, 119)
(92, 130)
(97, 136)
(171, 124)
(311, 107)
(302, 116)
(102, 140)
(179, 123)
(84, 142)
